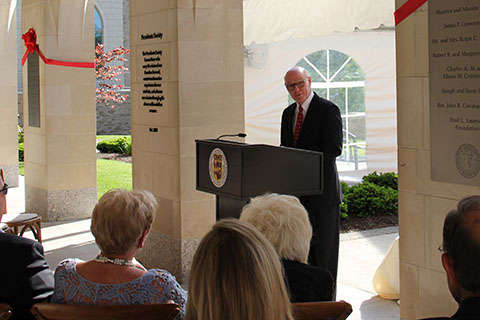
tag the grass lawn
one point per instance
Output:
(109, 137)
(111, 174)
(21, 168)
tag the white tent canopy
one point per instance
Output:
(278, 33)
(276, 20)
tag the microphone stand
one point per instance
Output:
(241, 135)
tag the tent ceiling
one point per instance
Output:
(276, 20)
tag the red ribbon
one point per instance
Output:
(407, 9)
(30, 39)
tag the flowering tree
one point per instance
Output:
(107, 90)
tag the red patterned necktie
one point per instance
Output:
(298, 125)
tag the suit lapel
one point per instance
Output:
(291, 115)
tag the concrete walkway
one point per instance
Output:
(360, 255)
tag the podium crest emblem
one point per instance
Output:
(217, 167)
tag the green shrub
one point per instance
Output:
(119, 145)
(368, 199)
(345, 187)
(343, 210)
(129, 147)
(20, 134)
(388, 179)
(343, 205)
(20, 152)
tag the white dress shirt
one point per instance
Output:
(305, 105)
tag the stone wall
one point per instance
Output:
(126, 40)
(114, 119)
(423, 202)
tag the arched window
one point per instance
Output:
(98, 27)
(338, 78)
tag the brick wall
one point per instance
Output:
(114, 120)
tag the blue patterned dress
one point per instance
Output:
(155, 286)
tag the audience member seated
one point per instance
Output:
(26, 276)
(236, 274)
(284, 222)
(461, 257)
(121, 222)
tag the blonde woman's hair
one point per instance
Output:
(236, 274)
(120, 218)
(283, 221)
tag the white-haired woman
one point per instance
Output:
(121, 222)
(284, 222)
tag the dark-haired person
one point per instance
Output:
(461, 257)
(26, 276)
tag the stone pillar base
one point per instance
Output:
(61, 204)
(164, 252)
(11, 174)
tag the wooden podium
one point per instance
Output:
(236, 172)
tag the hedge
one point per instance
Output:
(377, 195)
(20, 152)
(388, 179)
(121, 145)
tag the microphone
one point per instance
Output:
(240, 134)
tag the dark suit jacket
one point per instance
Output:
(26, 277)
(321, 131)
(308, 283)
(469, 309)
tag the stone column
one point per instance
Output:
(187, 84)
(60, 162)
(8, 92)
(423, 202)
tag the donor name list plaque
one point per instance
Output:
(152, 93)
(454, 62)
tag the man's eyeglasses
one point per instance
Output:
(298, 84)
(4, 190)
(442, 249)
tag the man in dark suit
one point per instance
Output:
(313, 123)
(25, 275)
(461, 257)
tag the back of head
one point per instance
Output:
(283, 221)
(236, 274)
(461, 242)
(120, 218)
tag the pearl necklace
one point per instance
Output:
(116, 261)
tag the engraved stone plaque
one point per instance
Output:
(33, 90)
(152, 78)
(454, 62)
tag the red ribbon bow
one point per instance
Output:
(407, 9)
(30, 39)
